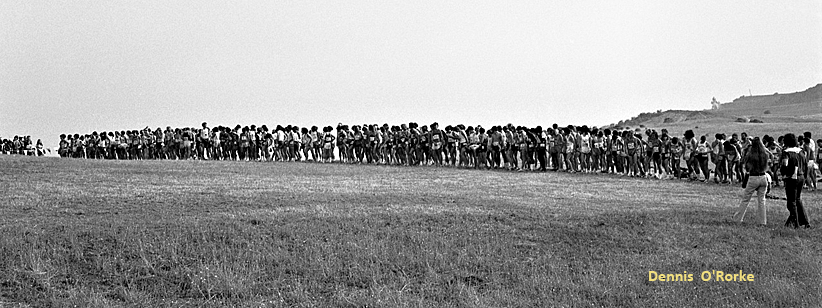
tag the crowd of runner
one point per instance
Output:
(22, 145)
(572, 149)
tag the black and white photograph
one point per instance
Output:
(367, 153)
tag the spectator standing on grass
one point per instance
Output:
(793, 164)
(755, 163)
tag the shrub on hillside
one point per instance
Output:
(767, 112)
(742, 120)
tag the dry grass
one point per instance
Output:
(137, 234)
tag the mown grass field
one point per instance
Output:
(211, 234)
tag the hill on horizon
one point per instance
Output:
(768, 112)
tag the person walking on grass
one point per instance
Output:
(755, 164)
(792, 165)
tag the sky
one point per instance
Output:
(82, 66)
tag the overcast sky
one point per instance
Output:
(79, 66)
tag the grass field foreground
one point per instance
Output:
(189, 233)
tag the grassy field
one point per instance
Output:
(202, 234)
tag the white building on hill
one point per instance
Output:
(714, 104)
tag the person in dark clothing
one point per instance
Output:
(793, 165)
